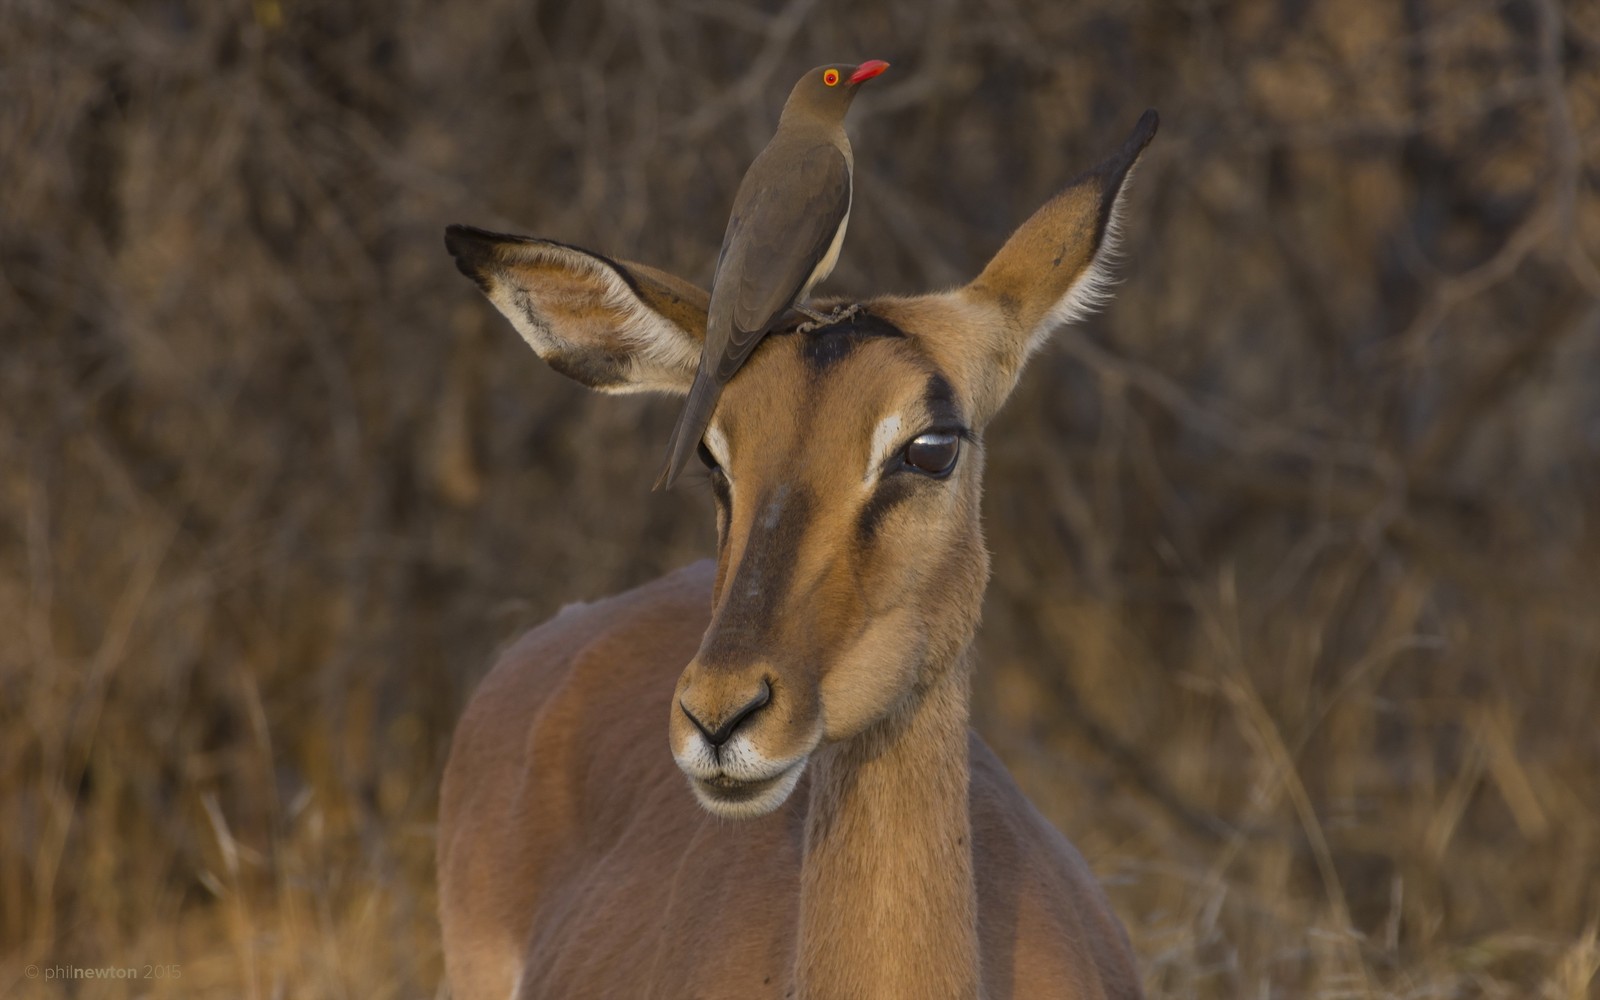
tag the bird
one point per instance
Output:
(784, 233)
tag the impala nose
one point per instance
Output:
(719, 732)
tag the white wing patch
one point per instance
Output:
(825, 265)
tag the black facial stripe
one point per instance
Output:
(724, 495)
(890, 493)
(940, 400)
(765, 574)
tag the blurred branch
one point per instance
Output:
(750, 91)
(1565, 143)
(1493, 383)
(1233, 432)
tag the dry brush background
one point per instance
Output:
(1294, 622)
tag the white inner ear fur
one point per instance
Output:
(885, 437)
(662, 355)
(517, 305)
(1094, 287)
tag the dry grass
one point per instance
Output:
(1294, 623)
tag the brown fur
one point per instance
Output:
(904, 863)
(572, 853)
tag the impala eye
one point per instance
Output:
(706, 458)
(933, 454)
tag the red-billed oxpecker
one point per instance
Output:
(783, 237)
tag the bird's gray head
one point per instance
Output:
(828, 90)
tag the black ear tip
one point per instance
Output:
(1115, 168)
(466, 240)
(1144, 130)
(473, 250)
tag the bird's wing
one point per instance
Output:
(776, 237)
(775, 240)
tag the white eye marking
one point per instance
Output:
(884, 439)
(717, 445)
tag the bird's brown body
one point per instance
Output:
(783, 237)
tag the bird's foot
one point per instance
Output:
(815, 319)
(819, 320)
(843, 313)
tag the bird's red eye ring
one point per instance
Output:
(830, 77)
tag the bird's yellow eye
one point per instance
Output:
(830, 77)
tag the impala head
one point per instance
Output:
(846, 465)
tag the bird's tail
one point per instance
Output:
(692, 423)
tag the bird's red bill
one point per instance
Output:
(868, 70)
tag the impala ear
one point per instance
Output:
(1056, 268)
(613, 325)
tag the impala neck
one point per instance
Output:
(887, 902)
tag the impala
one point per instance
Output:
(843, 833)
